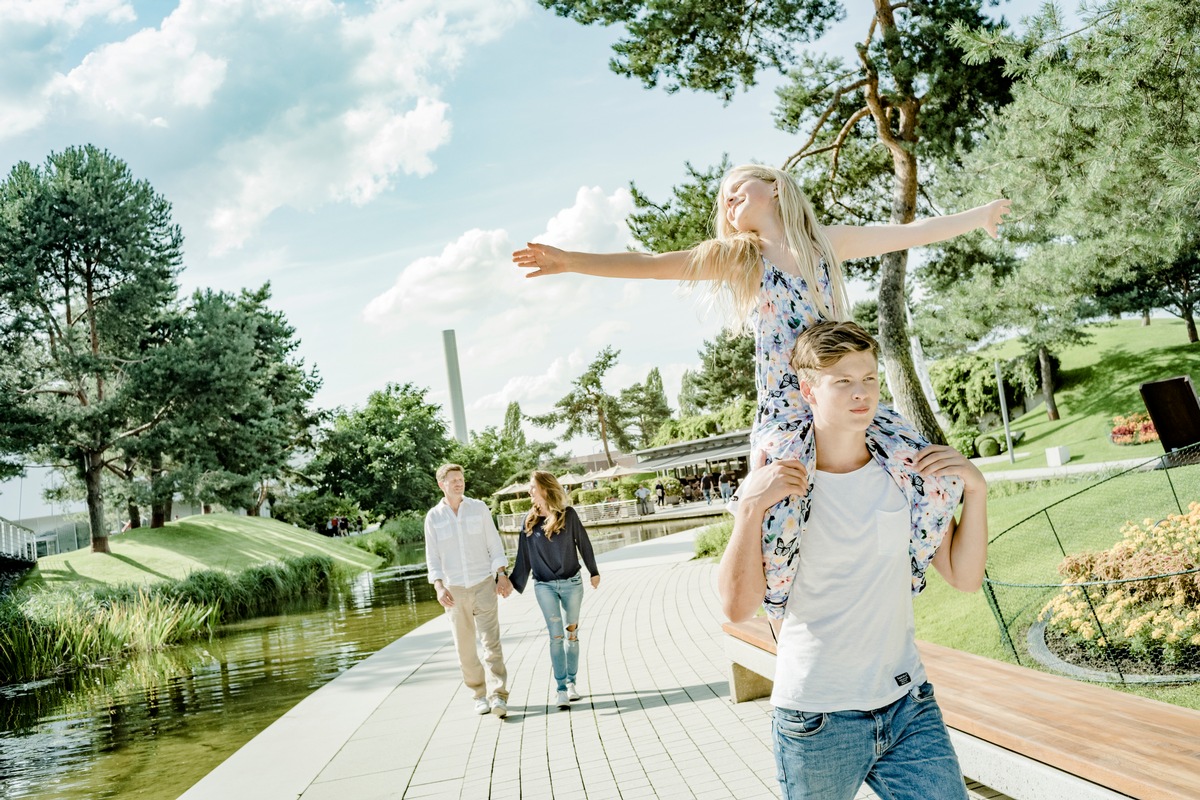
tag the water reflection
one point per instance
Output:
(152, 726)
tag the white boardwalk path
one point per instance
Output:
(655, 720)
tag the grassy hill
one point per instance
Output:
(1100, 381)
(213, 541)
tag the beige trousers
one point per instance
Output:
(475, 612)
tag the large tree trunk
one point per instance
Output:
(1145, 317)
(604, 438)
(893, 326)
(1047, 383)
(135, 513)
(1190, 319)
(93, 467)
(159, 506)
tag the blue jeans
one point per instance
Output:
(902, 751)
(560, 602)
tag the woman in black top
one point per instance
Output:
(553, 542)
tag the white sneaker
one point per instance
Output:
(572, 692)
(499, 707)
(481, 705)
(563, 702)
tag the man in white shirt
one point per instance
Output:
(851, 700)
(468, 568)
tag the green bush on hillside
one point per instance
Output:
(962, 438)
(966, 385)
(712, 541)
(408, 528)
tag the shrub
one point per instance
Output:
(380, 543)
(589, 497)
(517, 505)
(711, 542)
(1156, 620)
(987, 446)
(672, 486)
(962, 439)
(966, 385)
(408, 528)
(312, 508)
(1135, 428)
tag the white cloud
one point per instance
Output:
(307, 159)
(282, 103)
(595, 223)
(66, 15)
(603, 334)
(33, 37)
(474, 275)
(537, 390)
(449, 286)
(146, 77)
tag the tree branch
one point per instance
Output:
(162, 412)
(841, 139)
(820, 123)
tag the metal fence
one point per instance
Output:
(617, 509)
(1104, 584)
(16, 542)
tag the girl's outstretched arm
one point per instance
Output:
(542, 259)
(851, 241)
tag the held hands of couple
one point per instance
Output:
(541, 258)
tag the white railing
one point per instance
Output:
(617, 509)
(16, 542)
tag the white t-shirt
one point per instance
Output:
(847, 640)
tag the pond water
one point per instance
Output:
(153, 726)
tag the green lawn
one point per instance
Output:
(212, 541)
(1100, 381)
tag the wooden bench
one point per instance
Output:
(1029, 734)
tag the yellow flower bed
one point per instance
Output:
(1156, 619)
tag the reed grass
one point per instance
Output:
(46, 631)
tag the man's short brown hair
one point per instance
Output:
(826, 343)
(445, 469)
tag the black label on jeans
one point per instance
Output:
(903, 679)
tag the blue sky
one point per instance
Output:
(377, 162)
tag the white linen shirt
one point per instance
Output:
(462, 549)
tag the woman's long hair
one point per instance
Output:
(734, 257)
(556, 502)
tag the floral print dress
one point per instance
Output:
(783, 429)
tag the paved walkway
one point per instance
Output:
(655, 720)
(1065, 471)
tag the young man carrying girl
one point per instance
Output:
(851, 700)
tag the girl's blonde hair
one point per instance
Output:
(733, 260)
(556, 502)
